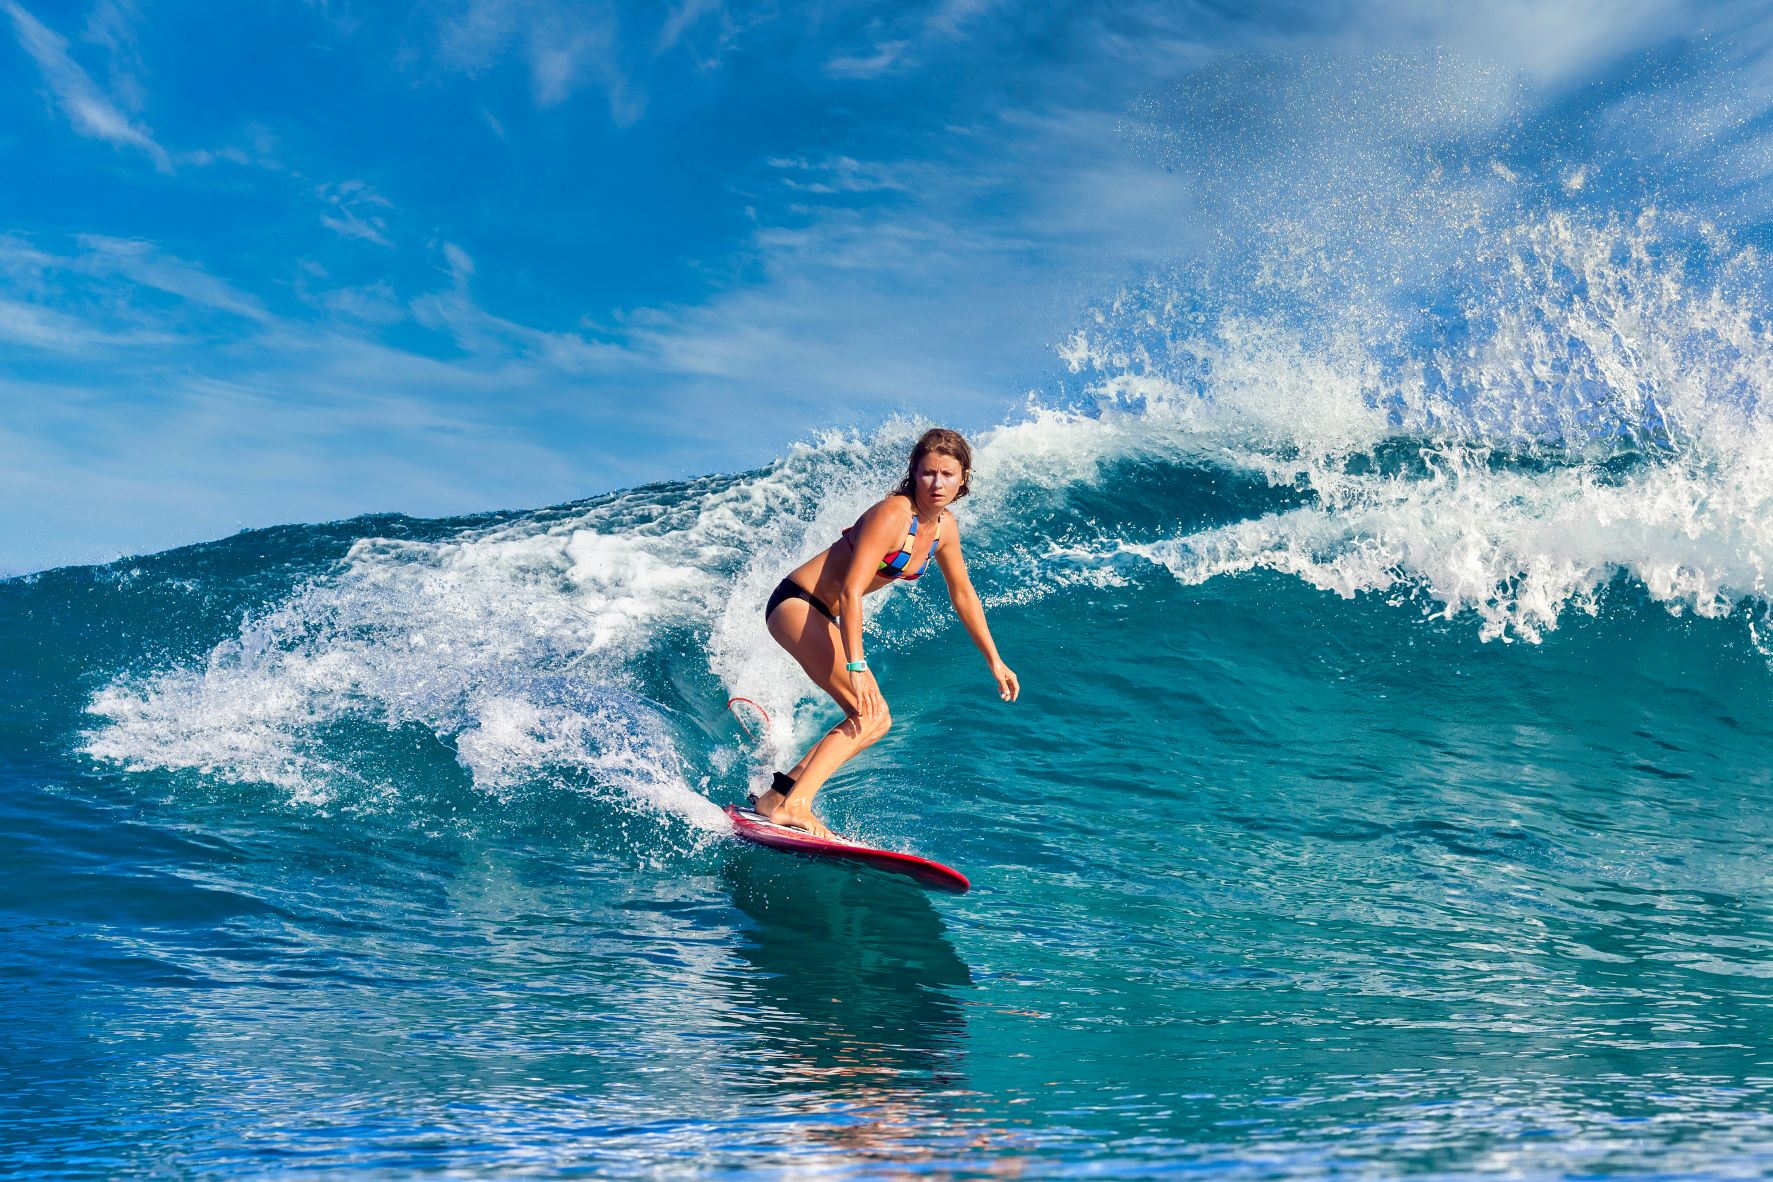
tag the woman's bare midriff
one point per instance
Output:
(823, 574)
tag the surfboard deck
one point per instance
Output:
(754, 828)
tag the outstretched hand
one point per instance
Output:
(1008, 688)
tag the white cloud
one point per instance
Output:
(373, 304)
(835, 175)
(97, 302)
(1554, 44)
(353, 211)
(564, 46)
(208, 456)
(879, 58)
(143, 264)
(89, 110)
(22, 262)
(682, 18)
(908, 41)
(294, 421)
(951, 17)
(339, 14)
(461, 266)
(108, 26)
(45, 328)
(489, 340)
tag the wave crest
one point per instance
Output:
(1588, 407)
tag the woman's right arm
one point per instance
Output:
(878, 533)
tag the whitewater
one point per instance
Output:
(1388, 794)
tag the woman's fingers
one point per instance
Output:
(868, 701)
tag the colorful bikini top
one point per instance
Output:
(893, 565)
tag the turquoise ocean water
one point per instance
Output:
(1389, 793)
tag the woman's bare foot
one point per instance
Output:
(772, 807)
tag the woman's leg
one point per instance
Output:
(812, 640)
(869, 737)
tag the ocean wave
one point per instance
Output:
(1589, 410)
(1581, 405)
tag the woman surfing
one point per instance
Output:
(815, 613)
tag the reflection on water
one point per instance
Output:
(854, 972)
(855, 997)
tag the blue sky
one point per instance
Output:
(302, 260)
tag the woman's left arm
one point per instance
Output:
(953, 565)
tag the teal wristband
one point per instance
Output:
(857, 666)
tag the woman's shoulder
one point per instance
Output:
(898, 504)
(892, 507)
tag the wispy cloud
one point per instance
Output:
(461, 265)
(340, 14)
(109, 25)
(294, 419)
(689, 15)
(565, 46)
(211, 455)
(951, 17)
(99, 297)
(878, 58)
(835, 175)
(353, 210)
(943, 276)
(490, 340)
(905, 41)
(1552, 43)
(141, 263)
(374, 304)
(87, 108)
(59, 332)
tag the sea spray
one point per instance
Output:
(1585, 409)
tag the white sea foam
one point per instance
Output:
(1516, 550)
(1592, 411)
(520, 645)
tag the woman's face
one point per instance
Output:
(937, 481)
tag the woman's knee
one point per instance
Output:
(879, 725)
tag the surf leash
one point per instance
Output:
(743, 725)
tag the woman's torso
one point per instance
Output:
(824, 573)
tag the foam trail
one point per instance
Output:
(525, 646)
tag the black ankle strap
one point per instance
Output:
(782, 784)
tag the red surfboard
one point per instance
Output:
(922, 871)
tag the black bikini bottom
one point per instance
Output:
(788, 589)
